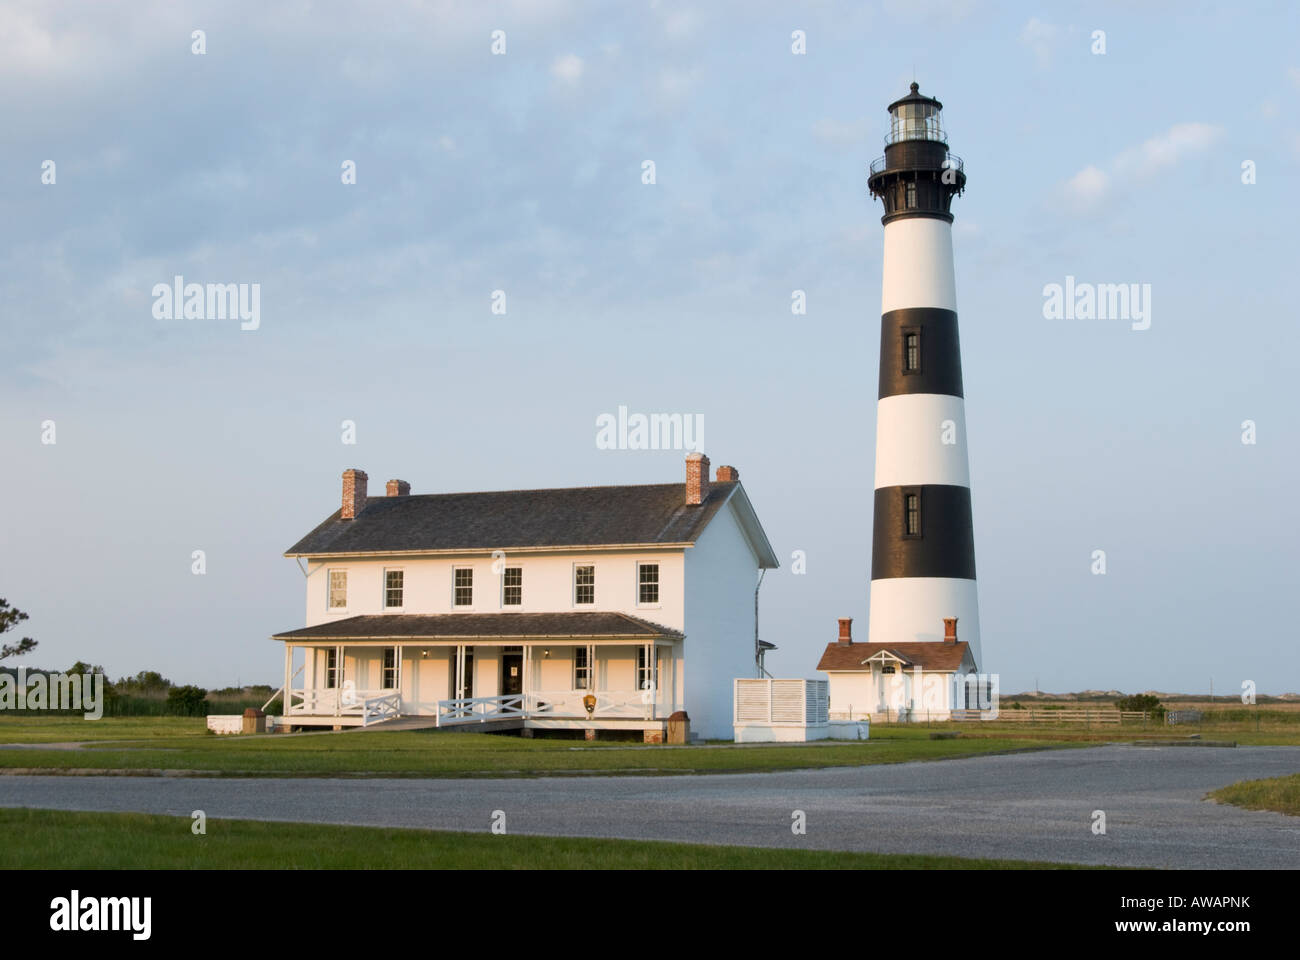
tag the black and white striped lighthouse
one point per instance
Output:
(923, 546)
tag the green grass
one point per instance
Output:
(445, 754)
(1281, 794)
(50, 839)
(58, 729)
(172, 743)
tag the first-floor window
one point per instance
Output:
(338, 590)
(581, 669)
(394, 581)
(643, 677)
(512, 587)
(467, 678)
(331, 668)
(464, 595)
(647, 583)
(390, 668)
(584, 584)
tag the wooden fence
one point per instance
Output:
(1085, 715)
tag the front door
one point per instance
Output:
(512, 674)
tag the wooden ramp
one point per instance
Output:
(429, 723)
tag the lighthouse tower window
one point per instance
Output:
(911, 513)
(911, 196)
(912, 351)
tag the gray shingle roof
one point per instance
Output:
(475, 626)
(569, 517)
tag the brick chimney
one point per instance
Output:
(846, 630)
(949, 629)
(728, 475)
(697, 479)
(354, 493)
(398, 488)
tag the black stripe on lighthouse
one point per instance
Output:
(934, 367)
(929, 536)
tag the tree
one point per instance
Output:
(10, 617)
(188, 701)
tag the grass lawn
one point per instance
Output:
(445, 754)
(55, 729)
(46, 839)
(1281, 794)
(171, 743)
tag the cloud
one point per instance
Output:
(1091, 185)
(1087, 187)
(567, 68)
(1167, 149)
(1039, 37)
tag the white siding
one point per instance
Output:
(547, 585)
(721, 573)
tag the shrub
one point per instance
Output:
(1141, 703)
(187, 701)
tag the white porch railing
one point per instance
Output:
(379, 708)
(479, 709)
(336, 701)
(633, 704)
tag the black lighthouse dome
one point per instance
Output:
(917, 176)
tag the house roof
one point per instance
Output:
(635, 515)
(480, 626)
(926, 654)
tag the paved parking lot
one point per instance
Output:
(1030, 806)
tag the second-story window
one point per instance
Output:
(512, 587)
(464, 589)
(647, 583)
(394, 582)
(911, 514)
(584, 584)
(338, 590)
(912, 351)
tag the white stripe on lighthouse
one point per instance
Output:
(913, 608)
(910, 433)
(918, 265)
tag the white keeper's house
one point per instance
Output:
(903, 680)
(582, 609)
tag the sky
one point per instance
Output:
(522, 172)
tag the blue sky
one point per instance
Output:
(522, 172)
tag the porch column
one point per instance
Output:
(459, 691)
(288, 678)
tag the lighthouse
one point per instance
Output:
(923, 545)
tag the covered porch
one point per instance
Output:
(604, 671)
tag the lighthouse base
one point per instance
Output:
(909, 609)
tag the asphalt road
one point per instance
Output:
(1029, 806)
